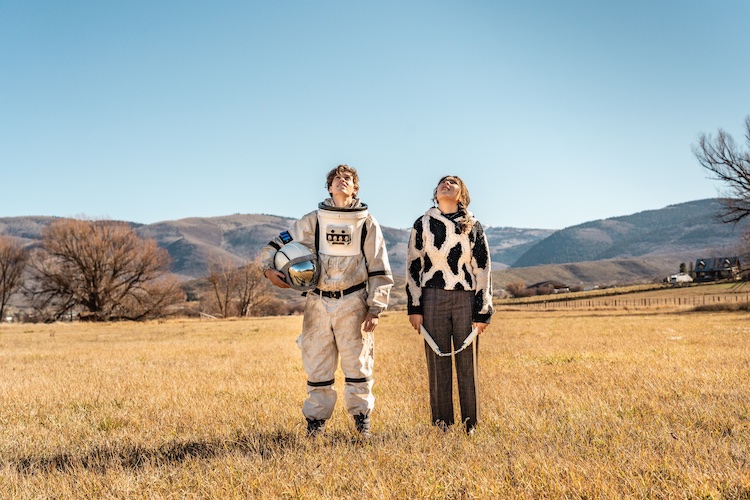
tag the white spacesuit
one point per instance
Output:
(354, 280)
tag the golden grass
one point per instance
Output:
(574, 404)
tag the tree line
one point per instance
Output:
(103, 271)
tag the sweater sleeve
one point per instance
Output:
(480, 260)
(414, 267)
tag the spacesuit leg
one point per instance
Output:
(319, 357)
(356, 349)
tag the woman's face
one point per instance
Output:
(448, 190)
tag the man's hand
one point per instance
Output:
(370, 323)
(416, 321)
(276, 278)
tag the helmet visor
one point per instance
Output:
(302, 274)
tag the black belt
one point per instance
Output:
(340, 293)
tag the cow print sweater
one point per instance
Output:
(440, 256)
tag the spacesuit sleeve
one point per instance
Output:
(302, 231)
(379, 276)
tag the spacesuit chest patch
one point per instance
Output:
(339, 234)
(340, 231)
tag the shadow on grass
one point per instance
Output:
(266, 445)
(102, 459)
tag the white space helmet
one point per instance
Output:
(298, 265)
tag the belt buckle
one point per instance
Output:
(338, 294)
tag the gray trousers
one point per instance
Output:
(447, 317)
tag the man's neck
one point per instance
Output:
(342, 201)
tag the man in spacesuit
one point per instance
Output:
(341, 312)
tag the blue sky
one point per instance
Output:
(554, 113)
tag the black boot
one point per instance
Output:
(362, 423)
(315, 427)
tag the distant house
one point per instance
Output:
(715, 269)
(546, 287)
(680, 278)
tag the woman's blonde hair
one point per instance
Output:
(463, 202)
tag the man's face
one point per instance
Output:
(343, 183)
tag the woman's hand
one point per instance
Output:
(480, 327)
(416, 321)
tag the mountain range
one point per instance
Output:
(642, 246)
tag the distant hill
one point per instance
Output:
(686, 229)
(597, 273)
(508, 244)
(28, 229)
(628, 249)
(194, 241)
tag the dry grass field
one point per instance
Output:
(575, 404)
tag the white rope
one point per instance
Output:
(435, 347)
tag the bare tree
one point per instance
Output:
(223, 280)
(103, 270)
(13, 260)
(516, 288)
(238, 291)
(254, 292)
(730, 164)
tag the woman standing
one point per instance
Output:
(449, 290)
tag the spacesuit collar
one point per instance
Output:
(355, 206)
